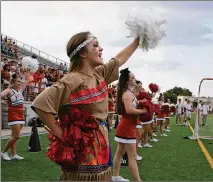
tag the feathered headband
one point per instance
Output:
(81, 46)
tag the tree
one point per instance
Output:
(176, 91)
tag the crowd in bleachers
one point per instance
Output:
(9, 47)
(11, 62)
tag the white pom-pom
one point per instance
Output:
(30, 63)
(150, 29)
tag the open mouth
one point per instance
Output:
(100, 55)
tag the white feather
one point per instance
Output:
(149, 28)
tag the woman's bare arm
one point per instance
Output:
(26, 80)
(50, 121)
(5, 93)
(125, 54)
(127, 99)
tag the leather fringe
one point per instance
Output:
(71, 176)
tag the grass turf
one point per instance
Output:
(206, 130)
(173, 158)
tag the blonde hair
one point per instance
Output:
(13, 80)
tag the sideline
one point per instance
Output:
(203, 148)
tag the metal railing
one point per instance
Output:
(35, 51)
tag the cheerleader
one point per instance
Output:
(167, 115)
(172, 110)
(160, 115)
(82, 93)
(145, 119)
(126, 130)
(15, 115)
(111, 108)
(138, 89)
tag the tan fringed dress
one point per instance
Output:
(88, 92)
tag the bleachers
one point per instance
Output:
(26, 50)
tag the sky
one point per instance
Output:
(182, 58)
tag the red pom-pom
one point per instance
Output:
(78, 134)
(172, 109)
(143, 95)
(146, 117)
(165, 108)
(146, 104)
(153, 87)
(157, 109)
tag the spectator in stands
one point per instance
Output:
(9, 41)
(38, 76)
(3, 62)
(45, 68)
(55, 75)
(12, 71)
(5, 39)
(65, 67)
(5, 75)
(49, 77)
(43, 83)
(61, 66)
(30, 86)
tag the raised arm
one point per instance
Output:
(110, 70)
(26, 80)
(5, 93)
(125, 54)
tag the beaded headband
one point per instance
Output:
(81, 46)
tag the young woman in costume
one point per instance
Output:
(126, 130)
(86, 150)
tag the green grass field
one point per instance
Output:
(206, 130)
(173, 158)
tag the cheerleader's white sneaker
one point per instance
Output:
(154, 140)
(140, 146)
(17, 157)
(139, 158)
(164, 134)
(154, 134)
(147, 145)
(118, 178)
(5, 156)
